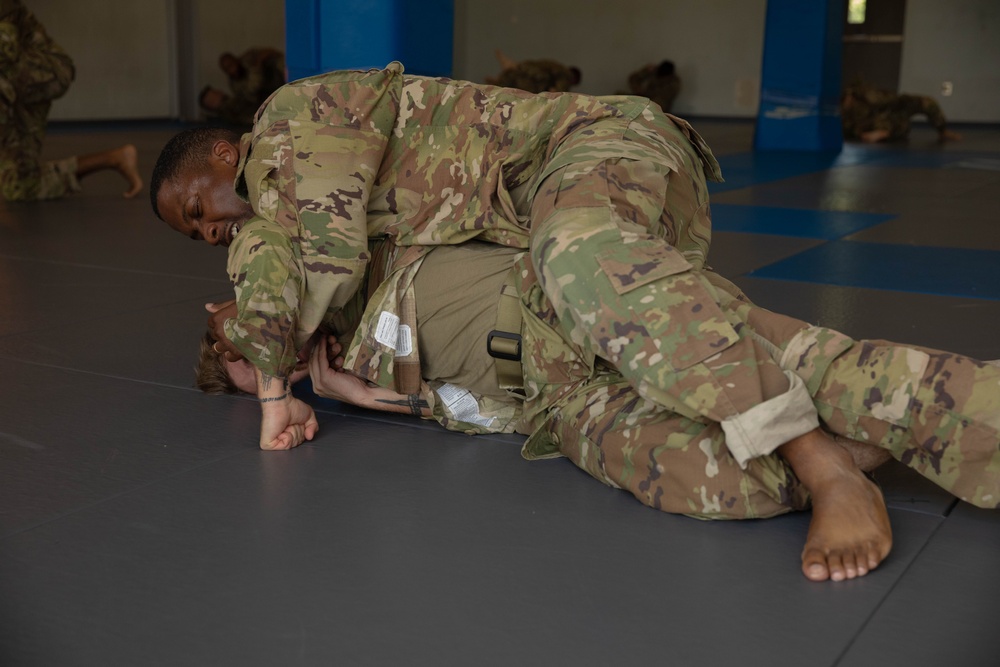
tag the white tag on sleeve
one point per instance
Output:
(387, 331)
(404, 345)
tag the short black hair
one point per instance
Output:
(188, 149)
(665, 68)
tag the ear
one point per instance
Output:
(226, 152)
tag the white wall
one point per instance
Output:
(149, 58)
(957, 41)
(717, 45)
(122, 53)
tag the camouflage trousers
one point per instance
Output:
(23, 180)
(650, 372)
(23, 174)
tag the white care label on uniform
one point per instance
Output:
(394, 335)
(462, 405)
(387, 331)
(404, 344)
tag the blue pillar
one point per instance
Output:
(325, 35)
(800, 77)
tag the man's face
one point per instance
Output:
(201, 203)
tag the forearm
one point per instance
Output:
(386, 400)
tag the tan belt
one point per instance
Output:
(504, 342)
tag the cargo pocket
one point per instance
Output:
(670, 301)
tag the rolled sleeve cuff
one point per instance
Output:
(765, 427)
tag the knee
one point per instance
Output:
(14, 190)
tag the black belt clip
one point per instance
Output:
(503, 345)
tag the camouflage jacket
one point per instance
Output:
(336, 159)
(538, 76)
(33, 68)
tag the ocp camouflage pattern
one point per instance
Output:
(871, 109)
(640, 362)
(34, 70)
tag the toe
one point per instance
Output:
(814, 565)
(850, 566)
(836, 565)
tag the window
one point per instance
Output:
(856, 11)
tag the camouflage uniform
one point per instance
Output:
(538, 76)
(34, 70)
(644, 367)
(870, 109)
(263, 73)
(648, 82)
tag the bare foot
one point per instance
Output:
(874, 136)
(948, 135)
(849, 534)
(126, 161)
(866, 457)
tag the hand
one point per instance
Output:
(286, 423)
(220, 312)
(327, 378)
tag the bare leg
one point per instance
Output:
(849, 534)
(948, 135)
(124, 160)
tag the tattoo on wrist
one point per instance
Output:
(412, 401)
(272, 399)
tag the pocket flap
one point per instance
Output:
(633, 265)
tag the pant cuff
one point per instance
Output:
(765, 427)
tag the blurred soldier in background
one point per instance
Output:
(534, 76)
(34, 70)
(874, 115)
(253, 76)
(658, 82)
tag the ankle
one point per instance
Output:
(817, 460)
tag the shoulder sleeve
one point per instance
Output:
(268, 284)
(304, 258)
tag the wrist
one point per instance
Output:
(272, 390)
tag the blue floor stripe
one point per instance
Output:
(959, 272)
(742, 170)
(801, 223)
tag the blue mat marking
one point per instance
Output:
(801, 223)
(959, 272)
(742, 170)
